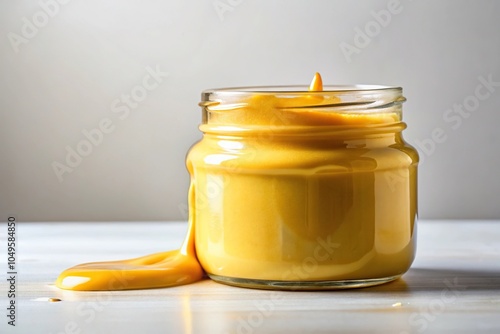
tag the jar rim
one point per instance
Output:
(225, 104)
(301, 89)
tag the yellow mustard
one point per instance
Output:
(290, 189)
(303, 189)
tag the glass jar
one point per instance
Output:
(301, 190)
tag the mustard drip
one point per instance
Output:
(172, 268)
(316, 83)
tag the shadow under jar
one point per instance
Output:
(300, 190)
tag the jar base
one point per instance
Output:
(301, 285)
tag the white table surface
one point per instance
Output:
(452, 287)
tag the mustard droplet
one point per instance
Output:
(316, 83)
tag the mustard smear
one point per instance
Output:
(164, 269)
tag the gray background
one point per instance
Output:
(64, 76)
